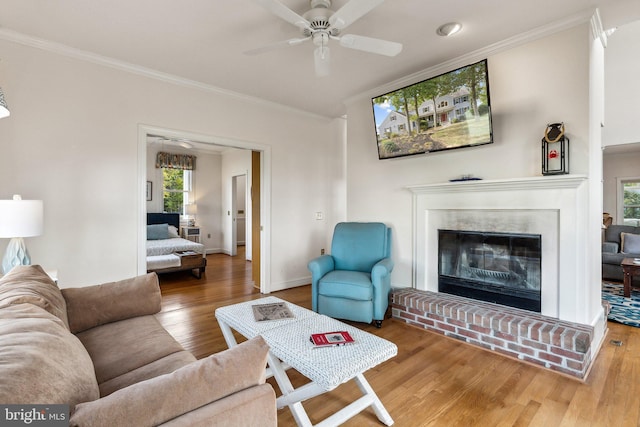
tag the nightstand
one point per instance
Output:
(191, 233)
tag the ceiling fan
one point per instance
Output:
(321, 24)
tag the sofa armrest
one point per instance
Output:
(160, 399)
(610, 247)
(97, 305)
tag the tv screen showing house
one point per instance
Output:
(452, 110)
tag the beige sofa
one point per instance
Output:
(101, 350)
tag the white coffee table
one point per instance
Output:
(327, 368)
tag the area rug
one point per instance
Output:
(623, 310)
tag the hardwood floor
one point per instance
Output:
(434, 381)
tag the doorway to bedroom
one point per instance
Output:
(210, 211)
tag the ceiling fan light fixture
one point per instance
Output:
(449, 29)
(321, 59)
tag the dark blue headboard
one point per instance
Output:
(164, 218)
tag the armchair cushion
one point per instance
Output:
(347, 284)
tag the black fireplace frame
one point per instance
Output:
(518, 298)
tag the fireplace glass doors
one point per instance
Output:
(502, 268)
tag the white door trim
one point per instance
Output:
(265, 191)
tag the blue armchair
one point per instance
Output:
(354, 282)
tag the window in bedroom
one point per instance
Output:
(177, 177)
(631, 202)
(176, 188)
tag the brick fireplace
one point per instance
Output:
(566, 332)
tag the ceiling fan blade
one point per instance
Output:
(322, 61)
(351, 12)
(279, 9)
(278, 45)
(371, 45)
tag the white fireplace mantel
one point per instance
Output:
(552, 206)
(528, 183)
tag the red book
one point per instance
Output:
(331, 338)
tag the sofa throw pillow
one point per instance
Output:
(157, 231)
(31, 284)
(630, 243)
(196, 384)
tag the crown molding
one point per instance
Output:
(597, 30)
(83, 55)
(480, 54)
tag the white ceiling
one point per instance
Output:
(204, 40)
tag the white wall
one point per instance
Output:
(242, 192)
(72, 141)
(208, 197)
(525, 96)
(235, 163)
(622, 86)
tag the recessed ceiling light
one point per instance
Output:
(449, 29)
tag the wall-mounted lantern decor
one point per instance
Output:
(555, 150)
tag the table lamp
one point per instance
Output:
(19, 218)
(191, 209)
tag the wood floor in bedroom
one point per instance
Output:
(434, 381)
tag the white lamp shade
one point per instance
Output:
(21, 218)
(190, 209)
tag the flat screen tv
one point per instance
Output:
(452, 110)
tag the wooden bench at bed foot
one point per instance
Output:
(185, 260)
(194, 261)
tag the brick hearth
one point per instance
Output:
(551, 343)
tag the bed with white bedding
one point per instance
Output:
(167, 252)
(172, 245)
